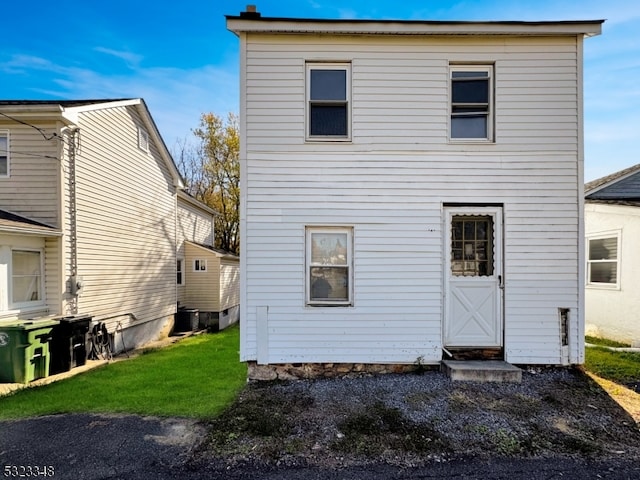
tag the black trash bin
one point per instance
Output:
(186, 320)
(69, 343)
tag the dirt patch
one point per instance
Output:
(412, 419)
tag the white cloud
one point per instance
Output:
(175, 97)
(132, 59)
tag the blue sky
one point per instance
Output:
(180, 58)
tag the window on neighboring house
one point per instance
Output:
(143, 139)
(471, 102)
(328, 93)
(180, 271)
(26, 276)
(199, 265)
(329, 266)
(4, 154)
(603, 261)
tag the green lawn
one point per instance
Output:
(619, 367)
(196, 377)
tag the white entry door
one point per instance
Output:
(473, 277)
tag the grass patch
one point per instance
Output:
(197, 377)
(619, 367)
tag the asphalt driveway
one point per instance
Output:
(101, 447)
(96, 447)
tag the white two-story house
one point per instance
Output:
(411, 191)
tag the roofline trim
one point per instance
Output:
(239, 24)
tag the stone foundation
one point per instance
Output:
(297, 371)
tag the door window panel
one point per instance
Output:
(472, 246)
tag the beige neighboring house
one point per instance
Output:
(612, 229)
(89, 216)
(208, 278)
(411, 191)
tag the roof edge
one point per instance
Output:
(240, 24)
(601, 183)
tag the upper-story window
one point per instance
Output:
(471, 102)
(4, 153)
(328, 92)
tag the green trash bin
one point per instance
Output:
(24, 350)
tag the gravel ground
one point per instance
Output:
(416, 419)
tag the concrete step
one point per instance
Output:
(481, 371)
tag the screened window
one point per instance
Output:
(26, 276)
(471, 99)
(4, 154)
(329, 271)
(603, 261)
(327, 101)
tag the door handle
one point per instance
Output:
(500, 282)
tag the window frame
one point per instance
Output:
(318, 65)
(349, 264)
(180, 273)
(600, 236)
(490, 114)
(41, 286)
(5, 133)
(198, 263)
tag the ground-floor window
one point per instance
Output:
(329, 259)
(26, 277)
(603, 260)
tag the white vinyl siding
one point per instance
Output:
(126, 221)
(194, 225)
(34, 168)
(399, 91)
(391, 181)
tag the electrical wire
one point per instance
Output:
(32, 154)
(40, 130)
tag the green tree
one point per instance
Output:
(211, 170)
